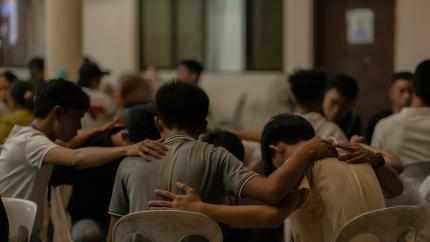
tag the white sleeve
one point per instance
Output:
(377, 140)
(36, 147)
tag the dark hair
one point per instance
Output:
(182, 105)
(60, 92)
(88, 71)
(288, 128)
(345, 85)
(22, 94)
(421, 81)
(10, 76)
(37, 64)
(227, 140)
(141, 124)
(193, 66)
(406, 75)
(308, 85)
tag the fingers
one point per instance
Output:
(165, 194)
(346, 147)
(349, 156)
(165, 204)
(358, 159)
(184, 187)
(143, 155)
(155, 146)
(150, 152)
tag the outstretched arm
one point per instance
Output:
(274, 188)
(241, 216)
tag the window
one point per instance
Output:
(226, 35)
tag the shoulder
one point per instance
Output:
(388, 122)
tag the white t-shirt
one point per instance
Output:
(22, 171)
(406, 133)
(324, 128)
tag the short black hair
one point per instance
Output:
(22, 94)
(141, 123)
(405, 75)
(37, 64)
(227, 140)
(346, 85)
(308, 85)
(193, 66)
(182, 105)
(421, 81)
(10, 76)
(287, 128)
(60, 92)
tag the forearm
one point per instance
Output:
(113, 220)
(281, 182)
(389, 180)
(79, 139)
(96, 156)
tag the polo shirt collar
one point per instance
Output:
(178, 137)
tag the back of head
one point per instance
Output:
(88, 72)
(22, 94)
(181, 105)
(227, 140)
(63, 93)
(345, 85)
(135, 90)
(405, 75)
(288, 128)
(193, 66)
(9, 76)
(141, 124)
(421, 81)
(36, 64)
(308, 85)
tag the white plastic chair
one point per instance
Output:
(166, 226)
(21, 214)
(425, 187)
(387, 224)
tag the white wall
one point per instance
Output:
(110, 34)
(412, 33)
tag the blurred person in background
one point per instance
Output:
(6, 79)
(189, 71)
(339, 103)
(20, 101)
(134, 90)
(36, 66)
(401, 96)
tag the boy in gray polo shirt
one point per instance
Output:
(213, 171)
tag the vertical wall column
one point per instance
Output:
(63, 35)
(298, 34)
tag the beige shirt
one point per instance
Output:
(338, 192)
(407, 134)
(324, 128)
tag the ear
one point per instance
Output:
(57, 111)
(159, 124)
(125, 136)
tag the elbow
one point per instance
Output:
(76, 160)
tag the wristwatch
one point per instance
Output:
(381, 160)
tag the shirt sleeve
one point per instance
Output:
(119, 203)
(376, 138)
(36, 147)
(234, 174)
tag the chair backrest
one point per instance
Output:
(166, 226)
(387, 224)
(21, 214)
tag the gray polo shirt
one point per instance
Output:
(212, 171)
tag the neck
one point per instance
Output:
(396, 109)
(166, 133)
(45, 126)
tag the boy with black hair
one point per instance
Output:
(189, 71)
(317, 211)
(29, 152)
(308, 87)
(407, 133)
(181, 117)
(401, 96)
(36, 67)
(339, 102)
